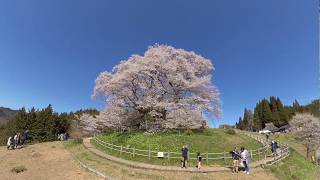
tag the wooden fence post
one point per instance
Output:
(133, 152)
(207, 158)
(149, 153)
(251, 154)
(168, 155)
(224, 157)
(265, 157)
(121, 150)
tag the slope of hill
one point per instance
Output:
(211, 140)
(6, 114)
(297, 166)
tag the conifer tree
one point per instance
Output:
(258, 116)
(266, 112)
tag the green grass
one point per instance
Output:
(296, 167)
(211, 140)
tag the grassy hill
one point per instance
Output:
(296, 166)
(211, 140)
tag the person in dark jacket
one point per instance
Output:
(274, 146)
(24, 136)
(235, 157)
(185, 155)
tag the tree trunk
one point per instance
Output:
(308, 150)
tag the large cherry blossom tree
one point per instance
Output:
(164, 88)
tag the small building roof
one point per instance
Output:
(271, 127)
(285, 127)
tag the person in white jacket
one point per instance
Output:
(9, 142)
(16, 140)
(245, 159)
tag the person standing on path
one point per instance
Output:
(235, 157)
(16, 139)
(185, 154)
(245, 159)
(274, 146)
(199, 160)
(9, 142)
(24, 137)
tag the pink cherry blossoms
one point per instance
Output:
(164, 88)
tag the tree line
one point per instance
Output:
(273, 111)
(43, 125)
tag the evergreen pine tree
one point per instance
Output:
(257, 121)
(266, 112)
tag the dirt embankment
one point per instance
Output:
(45, 161)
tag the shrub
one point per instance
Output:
(207, 132)
(231, 131)
(107, 131)
(188, 132)
(78, 140)
(18, 169)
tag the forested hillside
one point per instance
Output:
(6, 114)
(273, 111)
(43, 124)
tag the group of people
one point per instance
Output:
(63, 136)
(185, 157)
(17, 140)
(240, 158)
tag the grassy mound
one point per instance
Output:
(211, 140)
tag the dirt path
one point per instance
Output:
(45, 161)
(123, 172)
(51, 161)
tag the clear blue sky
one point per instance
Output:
(52, 51)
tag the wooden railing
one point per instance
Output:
(263, 155)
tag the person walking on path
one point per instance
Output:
(235, 157)
(199, 160)
(245, 159)
(185, 154)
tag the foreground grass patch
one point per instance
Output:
(296, 167)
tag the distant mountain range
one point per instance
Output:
(6, 114)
